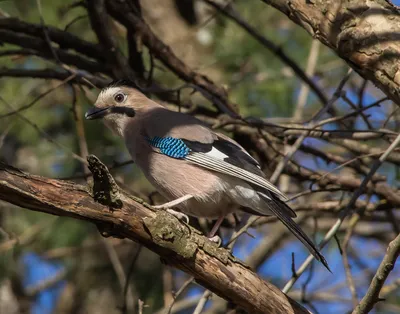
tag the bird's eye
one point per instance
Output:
(119, 97)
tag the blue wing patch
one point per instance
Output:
(172, 147)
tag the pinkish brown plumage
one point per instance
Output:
(203, 173)
(206, 188)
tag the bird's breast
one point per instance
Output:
(174, 178)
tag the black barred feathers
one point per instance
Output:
(172, 147)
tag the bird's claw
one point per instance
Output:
(179, 215)
(216, 239)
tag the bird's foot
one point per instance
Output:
(179, 215)
(216, 239)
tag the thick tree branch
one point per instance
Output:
(134, 47)
(124, 216)
(102, 25)
(43, 50)
(51, 74)
(64, 39)
(364, 33)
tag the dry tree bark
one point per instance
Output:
(120, 215)
(364, 33)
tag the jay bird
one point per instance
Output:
(199, 171)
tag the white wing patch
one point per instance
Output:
(215, 153)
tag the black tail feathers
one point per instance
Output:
(281, 210)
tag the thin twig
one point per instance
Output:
(279, 168)
(383, 271)
(45, 32)
(332, 231)
(178, 293)
(46, 283)
(116, 263)
(229, 11)
(200, 306)
(45, 135)
(127, 289)
(27, 236)
(301, 101)
(42, 95)
(304, 89)
(80, 129)
(349, 232)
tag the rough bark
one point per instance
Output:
(362, 32)
(177, 244)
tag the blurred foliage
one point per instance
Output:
(256, 79)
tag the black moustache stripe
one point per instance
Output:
(130, 112)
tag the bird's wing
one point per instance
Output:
(218, 155)
(223, 166)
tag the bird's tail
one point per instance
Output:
(281, 210)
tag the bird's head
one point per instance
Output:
(117, 104)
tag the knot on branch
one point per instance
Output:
(167, 231)
(105, 189)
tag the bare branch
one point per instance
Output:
(102, 25)
(345, 212)
(279, 168)
(33, 102)
(230, 12)
(178, 244)
(345, 27)
(64, 39)
(40, 45)
(384, 269)
(79, 78)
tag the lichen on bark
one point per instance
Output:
(104, 190)
(168, 232)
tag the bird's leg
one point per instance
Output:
(216, 226)
(211, 236)
(179, 215)
(174, 202)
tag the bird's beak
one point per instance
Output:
(96, 113)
